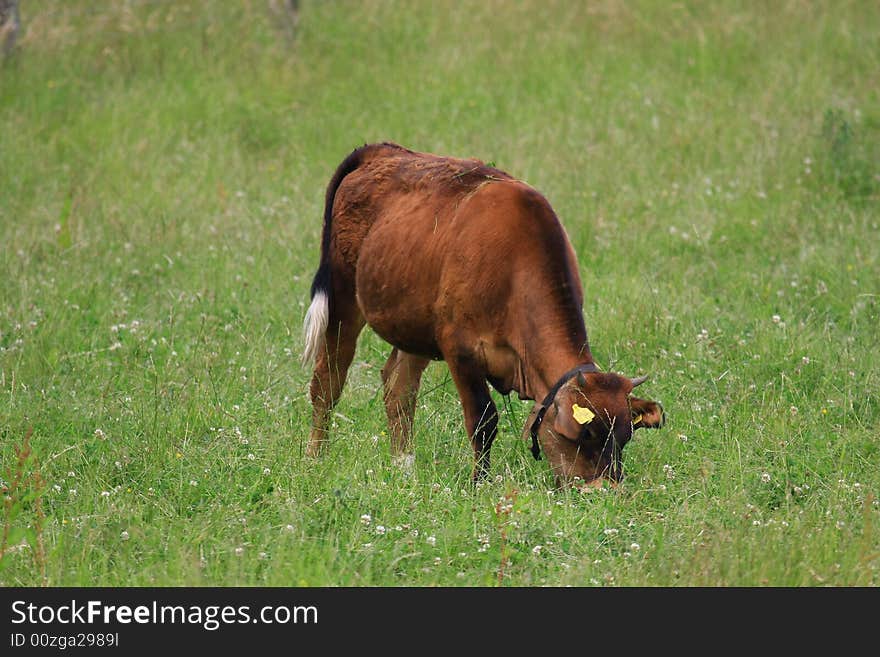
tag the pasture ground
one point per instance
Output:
(162, 169)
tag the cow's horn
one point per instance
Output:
(639, 380)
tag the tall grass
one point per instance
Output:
(162, 167)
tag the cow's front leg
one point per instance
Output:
(480, 414)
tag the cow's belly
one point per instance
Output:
(396, 282)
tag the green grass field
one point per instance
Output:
(162, 170)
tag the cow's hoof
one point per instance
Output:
(405, 462)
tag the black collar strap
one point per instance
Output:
(548, 399)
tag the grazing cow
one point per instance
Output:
(454, 260)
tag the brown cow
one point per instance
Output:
(454, 260)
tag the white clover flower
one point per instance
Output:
(266, 471)
(380, 529)
(239, 551)
(124, 536)
(611, 531)
(431, 540)
(366, 518)
(765, 478)
(100, 434)
(537, 549)
(635, 547)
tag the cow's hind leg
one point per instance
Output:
(331, 367)
(480, 414)
(401, 377)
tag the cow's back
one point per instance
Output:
(435, 247)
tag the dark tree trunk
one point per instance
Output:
(9, 25)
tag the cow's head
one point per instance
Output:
(591, 419)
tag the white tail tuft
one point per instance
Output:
(315, 326)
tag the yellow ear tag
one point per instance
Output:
(582, 415)
(637, 419)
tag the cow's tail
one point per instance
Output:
(318, 314)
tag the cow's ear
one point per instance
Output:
(570, 419)
(646, 414)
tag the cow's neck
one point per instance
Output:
(542, 368)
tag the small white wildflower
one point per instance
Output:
(437, 561)
(756, 523)
(431, 540)
(537, 549)
(776, 319)
(288, 528)
(669, 471)
(366, 518)
(765, 478)
(72, 491)
(635, 547)
(251, 457)
(56, 488)
(611, 531)
(239, 551)
(683, 438)
(380, 529)
(367, 546)
(105, 493)
(266, 471)
(124, 536)
(193, 482)
(100, 434)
